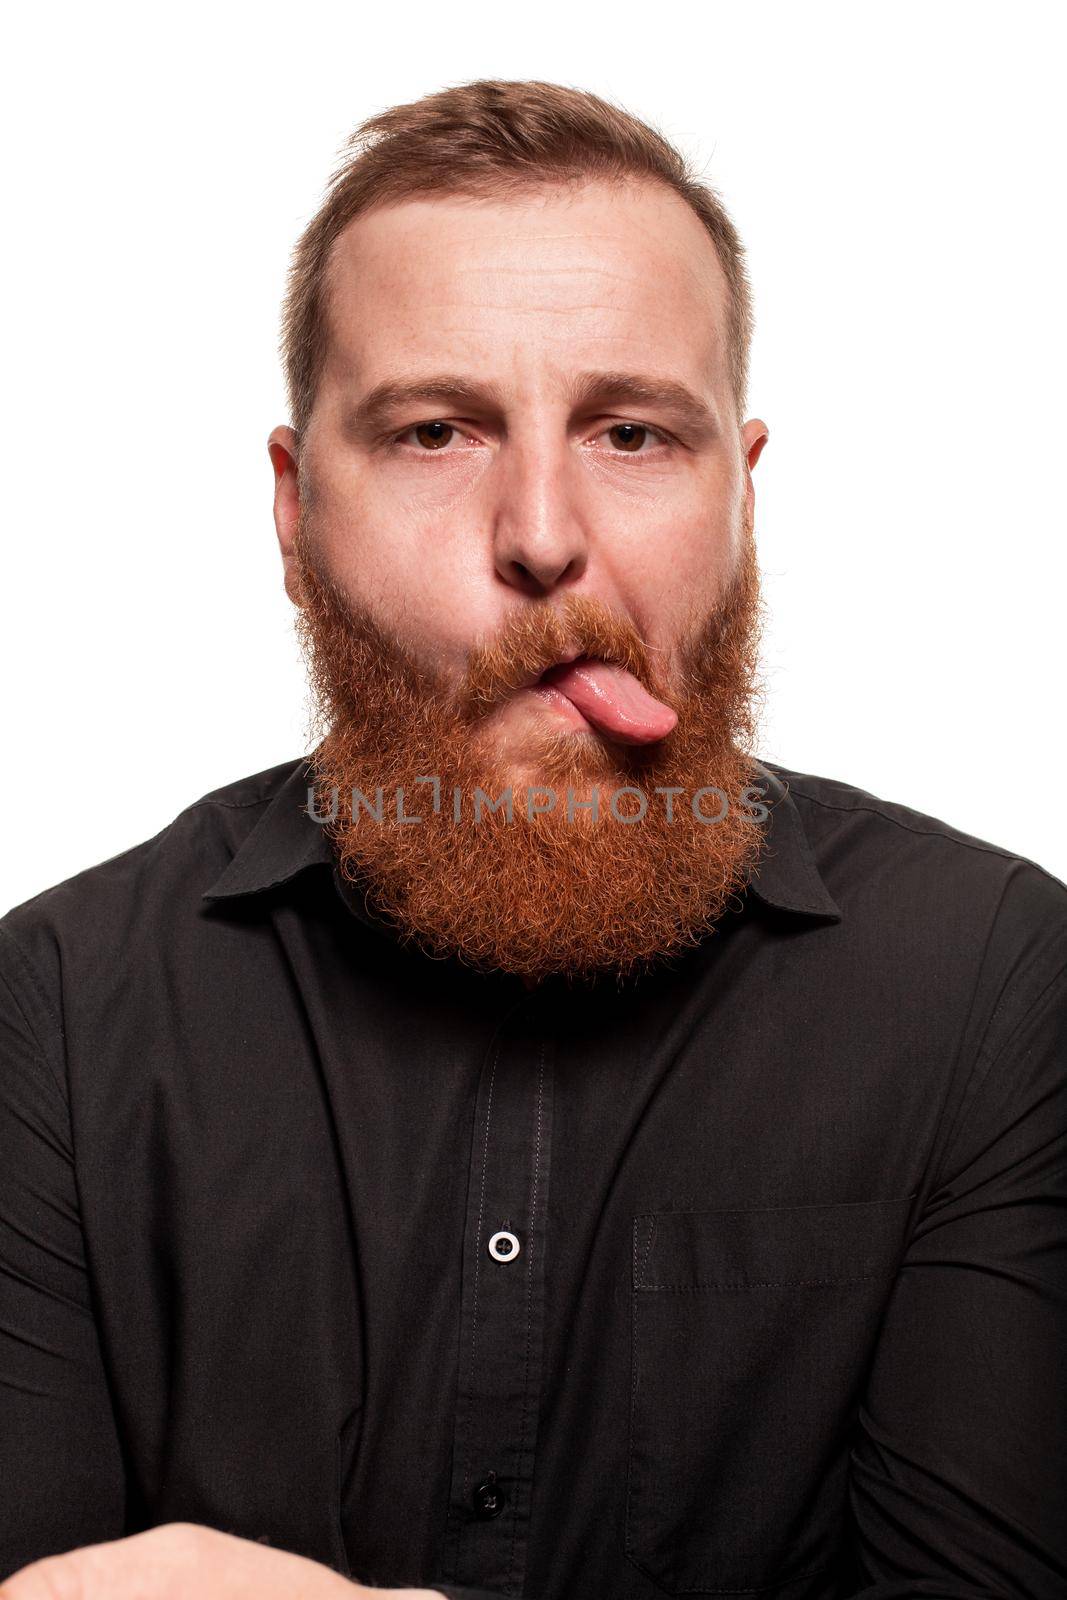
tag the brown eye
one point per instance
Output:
(434, 434)
(628, 436)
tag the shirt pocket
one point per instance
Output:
(751, 1335)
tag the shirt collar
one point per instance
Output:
(786, 875)
(282, 843)
(285, 841)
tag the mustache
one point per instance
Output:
(544, 636)
(344, 643)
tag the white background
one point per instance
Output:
(896, 173)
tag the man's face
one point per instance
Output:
(524, 422)
(443, 515)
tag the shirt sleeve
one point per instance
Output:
(958, 1482)
(61, 1474)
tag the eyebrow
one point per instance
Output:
(451, 390)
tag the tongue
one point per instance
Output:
(612, 700)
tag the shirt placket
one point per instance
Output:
(502, 1310)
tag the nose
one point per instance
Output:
(539, 541)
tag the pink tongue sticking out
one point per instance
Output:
(612, 700)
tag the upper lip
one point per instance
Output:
(561, 661)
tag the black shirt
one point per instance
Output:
(745, 1277)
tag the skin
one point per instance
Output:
(186, 1561)
(529, 495)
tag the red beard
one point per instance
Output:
(550, 893)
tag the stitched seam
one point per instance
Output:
(978, 1072)
(805, 856)
(630, 1549)
(39, 990)
(35, 981)
(477, 1272)
(258, 800)
(935, 833)
(987, 1062)
(529, 1312)
(815, 1205)
(231, 805)
(240, 805)
(705, 1585)
(769, 1283)
(651, 1237)
(1030, 1013)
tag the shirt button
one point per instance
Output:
(504, 1247)
(488, 1498)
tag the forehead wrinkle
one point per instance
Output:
(701, 268)
(696, 273)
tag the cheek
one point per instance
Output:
(377, 549)
(431, 584)
(394, 517)
(669, 568)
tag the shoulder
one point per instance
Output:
(904, 876)
(116, 909)
(846, 823)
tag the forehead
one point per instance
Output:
(603, 275)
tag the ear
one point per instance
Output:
(754, 436)
(283, 447)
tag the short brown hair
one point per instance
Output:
(492, 137)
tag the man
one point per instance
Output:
(531, 1146)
